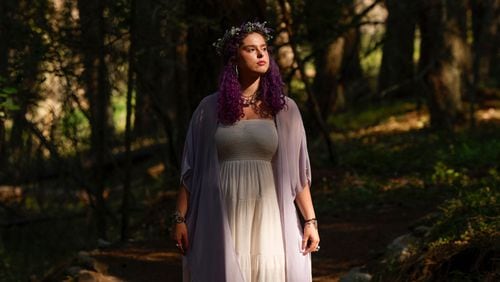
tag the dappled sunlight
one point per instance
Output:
(403, 182)
(140, 254)
(396, 123)
(10, 193)
(156, 170)
(488, 114)
(414, 120)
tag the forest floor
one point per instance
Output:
(355, 238)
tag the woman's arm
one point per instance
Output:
(182, 201)
(180, 233)
(310, 241)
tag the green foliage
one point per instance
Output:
(6, 98)
(445, 176)
(464, 236)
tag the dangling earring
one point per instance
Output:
(236, 70)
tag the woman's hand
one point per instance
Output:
(180, 236)
(310, 242)
(179, 229)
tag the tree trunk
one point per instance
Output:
(4, 51)
(353, 79)
(444, 60)
(97, 90)
(125, 208)
(339, 78)
(486, 44)
(148, 69)
(397, 58)
(27, 49)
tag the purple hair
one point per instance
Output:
(230, 103)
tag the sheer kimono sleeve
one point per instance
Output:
(304, 163)
(304, 169)
(187, 159)
(190, 152)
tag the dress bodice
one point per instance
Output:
(254, 139)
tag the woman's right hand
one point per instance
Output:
(180, 236)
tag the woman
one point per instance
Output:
(245, 166)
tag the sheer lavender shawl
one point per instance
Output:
(211, 256)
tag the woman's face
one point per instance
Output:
(253, 58)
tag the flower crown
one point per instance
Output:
(245, 28)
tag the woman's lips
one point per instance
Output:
(261, 63)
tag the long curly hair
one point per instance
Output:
(230, 103)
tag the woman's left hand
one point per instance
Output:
(310, 242)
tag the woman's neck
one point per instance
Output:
(249, 86)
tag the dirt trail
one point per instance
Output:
(346, 242)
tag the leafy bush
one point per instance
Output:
(464, 239)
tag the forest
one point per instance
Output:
(400, 100)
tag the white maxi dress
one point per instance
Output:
(245, 150)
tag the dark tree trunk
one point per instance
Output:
(444, 60)
(4, 36)
(158, 86)
(327, 84)
(125, 208)
(486, 44)
(97, 90)
(353, 79)
(339, 78)
(4, 51)
(397, 58)
(27, 49)
(148, 56)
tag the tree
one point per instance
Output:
(97, 90)
(4, 49)
(333, 30)
(397, 52)
(485, 47)
(444, 59)
(26, 46)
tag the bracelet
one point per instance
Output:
(177, 218)
(312, 221)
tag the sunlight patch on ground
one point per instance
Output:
(409, 121)
(141, 255)
(413, 121)
(488, 114)
(403, 182)
(10, 193)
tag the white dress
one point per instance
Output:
(245, 151)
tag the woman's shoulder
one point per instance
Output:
(208, 100)
(207, 104)
(291, 106)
